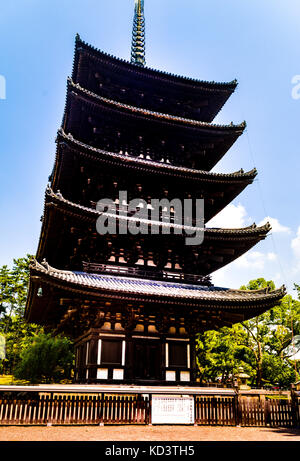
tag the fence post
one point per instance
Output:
(49, 410)
(294, 408)
(237, 408)
(195, 410)
(101, 409)
(267, 410)
(149, 410)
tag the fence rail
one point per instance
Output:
(84, 409)
(75, 410)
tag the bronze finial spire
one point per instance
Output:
(138, 35)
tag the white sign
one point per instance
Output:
(171, 409)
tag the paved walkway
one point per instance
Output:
(146, 433)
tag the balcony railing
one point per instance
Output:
(147, 274)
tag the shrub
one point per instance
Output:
(48, 359)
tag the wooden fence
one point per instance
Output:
(100, 409)
(271, 412)
(78, 409)
(213, 411)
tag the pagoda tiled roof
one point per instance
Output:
(158, 290)
(239, 128)
(219, 233)
(143, 164)
(148, 71)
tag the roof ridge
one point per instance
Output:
(249, 229)
(59, 196)
(236, 174)
(45, 267)
(162, 115)
(252, 227)
(188, 80)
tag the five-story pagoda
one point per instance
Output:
(134, 302)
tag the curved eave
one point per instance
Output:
(92, 214)
(55, 200)
(121, 288)
(92, 98)
(146, 72)
(95, 154)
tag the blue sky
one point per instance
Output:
(256, 42)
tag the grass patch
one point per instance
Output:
(277, 397)
(7, 380)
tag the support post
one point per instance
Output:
(149, 412)
(195, 410)
(237, 412)
(267, 404)
(294, 408)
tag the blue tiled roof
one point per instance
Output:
(154, 288)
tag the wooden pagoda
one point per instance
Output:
(134, 303)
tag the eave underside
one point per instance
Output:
(100, 291)
(116, 127)
(69, 237)
(113, 77)
(95, 174)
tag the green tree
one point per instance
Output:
(47, 360)
(13, 293)
(278, 371)
(284, 324)
(220, 354)
(258, 284)
(30, 353)
(262, 345)
(13, 288)
(18, 336)
(270, 334)
(254, 340)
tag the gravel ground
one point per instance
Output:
(146, 433)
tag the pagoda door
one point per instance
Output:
(147, 360)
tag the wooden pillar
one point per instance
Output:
(128, 371)
(193, 364)
(163, 357)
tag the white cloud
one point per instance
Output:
(277, 278)
(295, 244)
(254, 263)
(271, 256)
(254, 260)
(232, 216)
(247, 267)
(276, 226)
(235, 216)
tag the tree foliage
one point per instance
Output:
(13, 293)
(46, 360)
(13, 288)
(297, 288)
(259, 283)
(20, 335)
(220, 354)
(263, 346)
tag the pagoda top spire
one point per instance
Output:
(138, 35)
